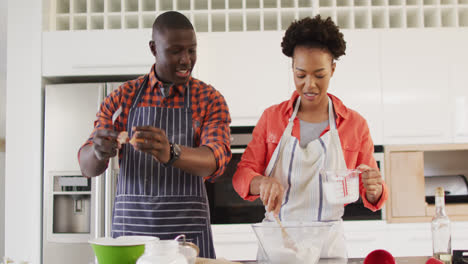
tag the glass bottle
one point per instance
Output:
(440, 226)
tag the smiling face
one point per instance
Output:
(175, 51)
(312, 69)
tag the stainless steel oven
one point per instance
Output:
(227, 207)
(356, 210)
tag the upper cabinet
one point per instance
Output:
(248, 68)
(410, 85)
(415, 85)
(113, 52)
(404, 70)
(424, 86)
(458, 86)
(356, 80)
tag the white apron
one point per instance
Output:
(298, 170)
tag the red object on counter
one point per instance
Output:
(434, 261)
(379, 256)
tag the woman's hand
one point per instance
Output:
(372, 181)
(153, 141)
(271, 192)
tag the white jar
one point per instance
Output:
(162, 252)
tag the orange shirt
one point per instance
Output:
(355, 138)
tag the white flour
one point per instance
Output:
(336, 194)
(307, 253)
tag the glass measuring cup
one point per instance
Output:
(341, 186)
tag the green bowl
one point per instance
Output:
(122, 250)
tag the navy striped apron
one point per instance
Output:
(161, 201)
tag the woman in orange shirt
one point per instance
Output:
(311, 132)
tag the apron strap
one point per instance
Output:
(331, 112)
(296, 109)
(331, 115)
(288, 130)
(188, 100)
(140, 91)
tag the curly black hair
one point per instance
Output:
(314, 32)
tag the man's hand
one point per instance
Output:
(105, 144)
(153, 141)
(372, 181)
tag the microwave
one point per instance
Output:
(227, 207)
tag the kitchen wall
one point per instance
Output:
(3, 26)
(23, 169)
(24, 99)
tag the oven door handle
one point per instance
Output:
(237, 151)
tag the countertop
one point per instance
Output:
(238, 241)
(399, 260)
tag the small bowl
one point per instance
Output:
(122, 250)
(379, 256)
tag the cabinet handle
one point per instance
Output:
(94, 66)
(417, 134)
(2, 145)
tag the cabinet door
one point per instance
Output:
(356, 80)
(415, 86)
(70, 110)
(248, 68)
(113, 52)
(459, 86)
(406, 186)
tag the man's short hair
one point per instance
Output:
(171, 20)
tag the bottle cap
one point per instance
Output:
(439, 192)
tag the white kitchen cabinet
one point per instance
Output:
(86, 53)
(252, 73)
(415, 86)
(248, 68)
(238, 242)
(235, 242)
(410, 85)
(356, 80)
(458, 73)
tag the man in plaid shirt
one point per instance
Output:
(180, 129)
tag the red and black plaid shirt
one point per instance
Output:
(210, 116)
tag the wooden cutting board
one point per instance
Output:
(214, 261)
